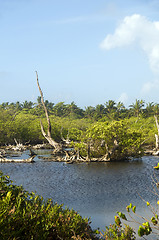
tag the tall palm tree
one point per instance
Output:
(149, 108)
(137, 107)
(110, 106)
(99, 110)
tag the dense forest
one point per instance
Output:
(105, 130)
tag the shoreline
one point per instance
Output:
(58, 157)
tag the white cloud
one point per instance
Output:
(137, 29)
(123, 98)
(150, 86)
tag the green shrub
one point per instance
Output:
(25, 215)
(116, 232)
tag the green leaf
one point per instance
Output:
(154, 221)
(141, 231)
(146, 224)
(134, 209)
(9, 194)
(122, 215)
(128, 209)
(117, 220)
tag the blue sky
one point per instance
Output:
(86, 51)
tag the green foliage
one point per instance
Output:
(117, 232)
(94, 126)
(147, 225)
(25, 215)
(118, 138)
(147, 127)
(145, 229)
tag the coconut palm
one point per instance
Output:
(137, 107)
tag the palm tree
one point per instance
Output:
(39, 100)
(99, 111)
(27, 105)
(73, 110)
(59, 109)
(137, 107)
(18, 105)
(89, 111)
(111, 108)
(149, 108)
(156, 109)
(49, 105)
(5, 105)
(121, 110)
(120, 107)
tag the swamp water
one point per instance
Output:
(95, 190)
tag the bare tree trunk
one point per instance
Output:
(48, 137)
(157, 135)
(67, 140)
(88, 158)
(109, 153)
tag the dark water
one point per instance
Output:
(95, 190)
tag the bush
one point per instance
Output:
(25, 215)
(116, 231)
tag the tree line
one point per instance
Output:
(110, 109)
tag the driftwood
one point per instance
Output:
(18, 147)
(2, 153)
(28, 160)
(42, 146)
(47, 136)
(73, 157)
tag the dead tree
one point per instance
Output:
(110, 154)
(157, 135)
(57, 146)
(67, 140)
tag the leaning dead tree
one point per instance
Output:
(47, 136)
(69, 157)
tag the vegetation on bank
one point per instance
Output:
(108, 131)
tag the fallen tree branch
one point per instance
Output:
(28, 160)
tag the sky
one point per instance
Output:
(86, 51)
